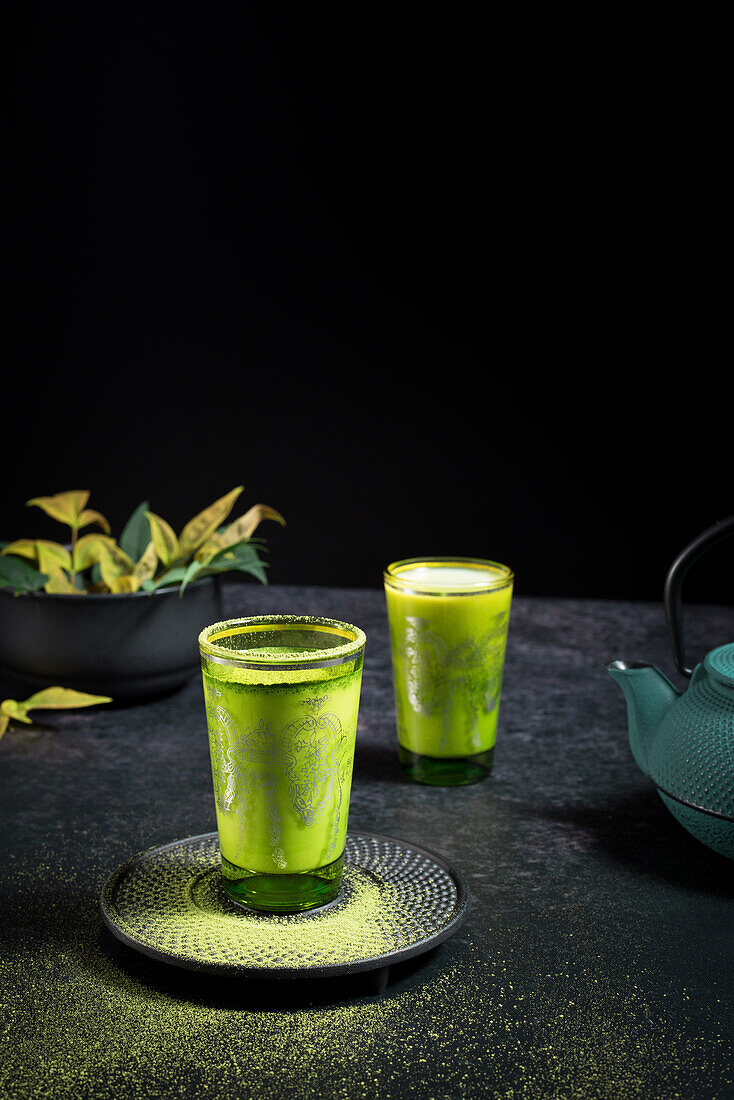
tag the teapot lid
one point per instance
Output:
(719, 664)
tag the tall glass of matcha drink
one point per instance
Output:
(448, 631)
(282, 696)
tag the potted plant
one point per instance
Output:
(120, 617)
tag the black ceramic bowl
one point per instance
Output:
(131, 646)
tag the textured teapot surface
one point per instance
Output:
(685, 742)
(691, 757)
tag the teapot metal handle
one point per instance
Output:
(674, 582)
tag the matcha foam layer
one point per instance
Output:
(452, 576)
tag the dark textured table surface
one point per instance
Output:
(596, 960)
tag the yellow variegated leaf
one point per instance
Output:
(61, 698)
(65, 507)
(59, 583)
(114, 563)
(128, 583)
(52, 555)
(199, 529)
(24, 548)
(17, 711)
(90, 516)
(52, 698)
(122, 560)
(164, 539)
(211, 547)
(89, 549)
(246, 525)
(145, 568)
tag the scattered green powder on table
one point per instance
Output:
(78, 1022)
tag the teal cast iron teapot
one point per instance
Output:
(684, 740)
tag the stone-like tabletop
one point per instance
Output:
(596, 959)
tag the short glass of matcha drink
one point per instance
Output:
(282, 698)
(448, 621)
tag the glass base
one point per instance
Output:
(283, 893)
(446, 771)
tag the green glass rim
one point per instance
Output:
(320, 656)
(392, 578)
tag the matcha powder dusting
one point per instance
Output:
(170, 902)
(85, 1017)
(208, 927)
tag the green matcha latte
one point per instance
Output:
(448, 631)
(282, 698)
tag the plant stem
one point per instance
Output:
(74, 534)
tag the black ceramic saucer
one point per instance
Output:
(397, 901)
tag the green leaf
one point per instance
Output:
(255, 569)
(19, 575)
(240, 558)
(243, 557)
(61, 698)
(136, 533)
(192, 571)
(51, 698)
(11, 708)
(173, 576)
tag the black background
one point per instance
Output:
(426, 284)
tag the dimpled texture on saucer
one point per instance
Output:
(170, 902)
